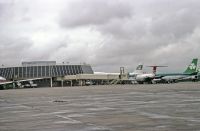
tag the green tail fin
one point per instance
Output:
(192, 68)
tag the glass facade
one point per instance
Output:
(25, 72)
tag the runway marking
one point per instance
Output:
(19, 111)
(100, 109)
(99, 128)
(159, 116)
(12, 106)
(75, 115)
(67, 120)
(52, 113)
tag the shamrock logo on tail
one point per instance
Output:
(192, 66)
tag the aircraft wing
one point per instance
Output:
(18, 81)
(6, 82)
(29, 79)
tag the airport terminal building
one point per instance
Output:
(44, 73)
(43, 69)
(51, 74)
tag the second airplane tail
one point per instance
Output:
(192, 68)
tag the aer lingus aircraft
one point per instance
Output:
(189, 74)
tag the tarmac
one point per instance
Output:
(159, 107)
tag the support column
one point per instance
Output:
(71, 82)
(61, 83)
(51, 82)
(13, 85)
(80, 82)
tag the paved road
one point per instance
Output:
(159, 107)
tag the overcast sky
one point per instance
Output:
(107, 34)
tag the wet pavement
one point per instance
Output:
(161, 107)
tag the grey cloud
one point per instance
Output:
(163, 27)
(13, 49)
(6, 11)
(93, 12)
(158, 18)
(45, 53)
(118, 32)
(175, 21)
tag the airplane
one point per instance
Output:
(2, 79)
(4, 82)
(141, 77)
(189, 74)
(18, 83)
